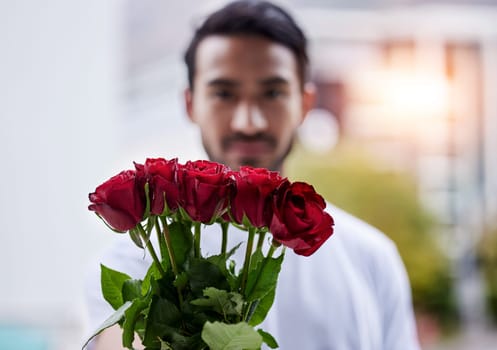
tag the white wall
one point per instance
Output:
(59, 76)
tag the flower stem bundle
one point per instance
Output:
(188, 300)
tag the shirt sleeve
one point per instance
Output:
(394, 294)
(376, 259)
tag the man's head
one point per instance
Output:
(247, 92)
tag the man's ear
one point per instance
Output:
(308, 98)
(188, 98)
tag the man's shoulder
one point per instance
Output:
(355, 245)
(356, 233)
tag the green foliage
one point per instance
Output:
(264, 305)
(221, 336)
(487, 251)
(201, 304)
(132, 317)
(223, 302)
(131, 289)
(263, 276)
(112, 284)
(353, 181)
(268, 339)
(182, 242)
(112, 320)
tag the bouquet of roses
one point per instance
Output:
(187, 300)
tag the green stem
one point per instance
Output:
(172, 259)
(196, 240)
(270, 252)
(151, 249)
(246, 263)
(260, 240)
(167, 238)
(250, 308)
(224, 243)
(162, 242)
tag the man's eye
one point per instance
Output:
(223, 94)
(273, 93)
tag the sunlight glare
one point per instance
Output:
(416, 95)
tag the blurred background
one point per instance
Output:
(403, 135)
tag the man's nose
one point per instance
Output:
(248, 119)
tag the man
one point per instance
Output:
(248, 93)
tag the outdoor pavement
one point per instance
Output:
(471, 339)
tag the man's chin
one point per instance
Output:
(236, 163)
(234, 160)
(253, 162)
(257, 163)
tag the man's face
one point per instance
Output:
(247, 100)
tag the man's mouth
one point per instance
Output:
(249, 146)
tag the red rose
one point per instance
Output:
(254, 194)
(161, 176)
(299, 220)
(119, 201)
(204, 189)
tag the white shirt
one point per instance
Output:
(352, 294)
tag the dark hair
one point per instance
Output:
(256, 18)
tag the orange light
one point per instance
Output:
(414, 95)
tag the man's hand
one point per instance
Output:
(111, 339)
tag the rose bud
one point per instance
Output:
(299, 220)
(161, 176)
(204, 189)
(119, 201)
(254, 193)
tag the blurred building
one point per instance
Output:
(417, 86)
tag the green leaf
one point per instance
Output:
(181, 342)
(181, 280)
(245, 221)
(152, 273)
(181, 241)
(162, 317)
(131, 316)
(184, 215)
(220, 261)
(203, 274)
(112, 282)
(150, 225)
(165, 287)
(268, 339)
(232, 268)
(165, 345)
(117, 316)
(262, 308)
(221, 301)
(263, 278)
(135, 237)
(233, 250)
(162, 240)
(145, 235)
(255, 262)
(222, 336)
(131, 289)
(254, 269)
